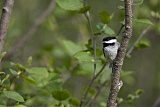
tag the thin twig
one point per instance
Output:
(87, 14)
(67, 74)
(138, 39)
(117, 65)
(6, 12)
(90, 84)
(32, 30)
(97, 94)
(157, 103)
(122, 26)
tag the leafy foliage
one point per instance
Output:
(84, 56)
(2, 55)
(13, 95)
(145, 21)
(70, 4)
(61, 95)
(74, 102)
(60, 59)
(137, 2)
(132, 97)
(105, 17)
(143, 44)
(84, 9)
(104, 29)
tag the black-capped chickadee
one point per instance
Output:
(110, 48)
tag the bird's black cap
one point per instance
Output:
(108, 38)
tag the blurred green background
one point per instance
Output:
(63, 33)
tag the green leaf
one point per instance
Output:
(38, 74)
(5, 78)
(128, 56)
(74, 101)
(54, 82)
(20, 105)
(70, 4)
(84, 56)
(102, 104)
(28, 80)
(71, 47)
(104, 17)
(108, 31)
(2, 55)
(139, 91)
(104, 29)
(89, 45)
(131, 97)
(39, 71)
(61, 94)
(99, 26)
(99, 52)
(29, 61)
(6, 84)
(119, 100)
(121, 7)
(13, 72)
(13, 95)
(142, 44)
(84, 9)
(137, 2)
(2, 73)
(155, 14)
(145, 21)
(18, 66)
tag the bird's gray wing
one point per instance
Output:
(118, 44)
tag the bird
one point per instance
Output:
(110, 48)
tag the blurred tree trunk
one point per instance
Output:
(5, 17)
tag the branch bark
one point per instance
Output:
(32, 30)
(90, 84)
(117, 65)
(6, 12)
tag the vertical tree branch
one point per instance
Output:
(117, 65)
(32, 30)
(6, 12)
(87, 14)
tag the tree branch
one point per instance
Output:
(4, 22)
(117, 65)
(90, 85)
(138, 39)
(120, 30)
(87, 14)
(97, 93)
(32, 30)
(157, 103)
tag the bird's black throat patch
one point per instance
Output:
(108, 44)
